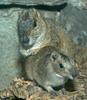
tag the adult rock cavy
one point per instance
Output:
(34, 32)
(49, 68)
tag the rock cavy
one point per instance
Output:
(35, 32)
(49, 68)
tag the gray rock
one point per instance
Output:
(74, 22)
(9, 55)
(78, 3)
(32, 2)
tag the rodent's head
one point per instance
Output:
(30, 27)
(63, 65)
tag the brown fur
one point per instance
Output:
(44, 66)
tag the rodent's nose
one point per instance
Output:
(74, 73)
(24, 39)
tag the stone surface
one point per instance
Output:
(32, 2)
(81, 4)
(9, 67)
(74, 21)
(76, 3)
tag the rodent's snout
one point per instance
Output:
(73, 73)
(24, 41)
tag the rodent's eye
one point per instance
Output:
(61, 65)
(34, 24)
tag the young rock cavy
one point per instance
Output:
(49, 68)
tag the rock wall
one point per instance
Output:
(32, 2)
(9, 67)
(74, 21)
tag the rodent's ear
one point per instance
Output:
(54, 56)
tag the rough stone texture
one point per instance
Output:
(82, 4)
(74, 21)
(9, 67)
(32, 2)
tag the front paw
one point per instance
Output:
(25, 53)
(54, 93)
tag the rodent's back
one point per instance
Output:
(37, 64)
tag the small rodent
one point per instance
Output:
(34, 32)
(49, 68)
